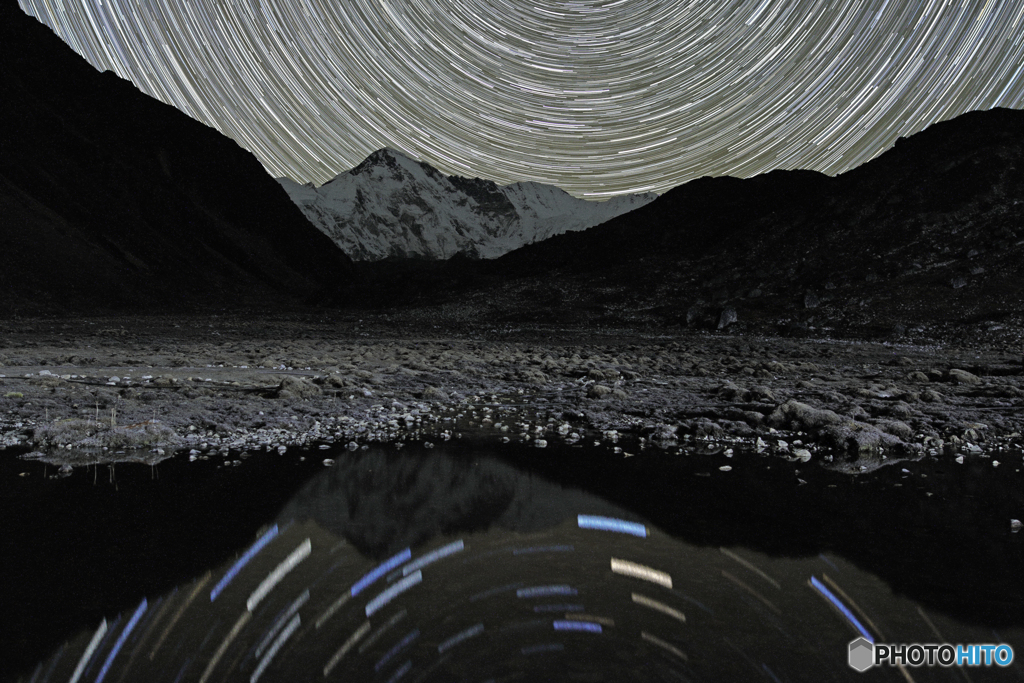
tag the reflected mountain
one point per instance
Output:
(426, 567)
(382, 501)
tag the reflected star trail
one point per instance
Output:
(599, 97)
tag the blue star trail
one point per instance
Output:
(599, 97)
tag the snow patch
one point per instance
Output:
(393, 206)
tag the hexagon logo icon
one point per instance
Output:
(862, 654)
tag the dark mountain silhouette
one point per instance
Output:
(927, 235)
(110, 199)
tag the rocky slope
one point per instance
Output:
(924, 241)
(110, 199)
(393, 206)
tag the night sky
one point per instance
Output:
(599, 97)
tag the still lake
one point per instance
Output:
(480, 561)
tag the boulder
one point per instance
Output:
(702, 427)
(957, 376)
(900, 430)
(800, 416)
(297, 387)
(859, 438)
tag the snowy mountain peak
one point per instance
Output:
(388, 162)
(391, 205)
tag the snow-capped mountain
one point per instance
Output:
(391, 205)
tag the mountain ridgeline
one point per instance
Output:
(928, 235)
(391, 206)
(112, 200)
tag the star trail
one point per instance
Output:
(599, 97)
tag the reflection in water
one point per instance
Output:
(427, 568)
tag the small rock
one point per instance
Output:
(728, 317)
(328, 462)
(434, 393)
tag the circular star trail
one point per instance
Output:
(599, 97)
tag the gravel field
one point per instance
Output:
(142, 388)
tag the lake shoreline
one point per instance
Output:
(234, 385)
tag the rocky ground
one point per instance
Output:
(144, 387)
